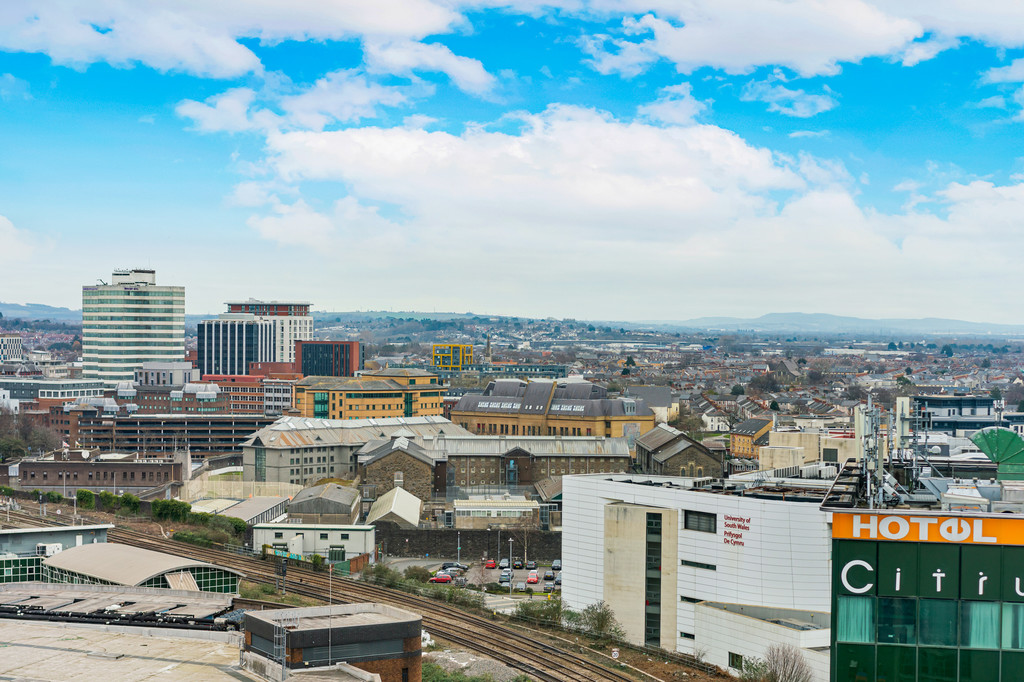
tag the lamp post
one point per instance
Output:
(499, 546)
(458, 548)
(513, 576)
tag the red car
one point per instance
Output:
(532, 579)
(441, 578)
(491, 563)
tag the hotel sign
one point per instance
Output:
(910, 528)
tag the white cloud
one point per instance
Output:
(17, 244)
(1012, 73)
(921, 51)
(786, 101)
(228, 112)
(994, 102)
(203, 37)
(406, 57)
(677, 105)
(13, 88)
(809, 133)
(344, 96)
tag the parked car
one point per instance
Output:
(520, 587)
(549, 574)
(549, 587)
(558, 579)
(503, 563)
(505, 578)
(441, 578)
(490, 564)
(518, 563)
(533, 579)
(455, 564)
(531, 564)
(556, 565)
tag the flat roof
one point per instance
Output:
(55, 529)
(346, 526)
(85, 599)
(338, 615)
(123, 564)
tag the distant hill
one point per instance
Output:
(833, 324)
(38, 311)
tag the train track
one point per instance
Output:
(475, 633)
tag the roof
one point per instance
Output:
(249, 509)
(122, 564)
(332, 492)
(399, 372)
(575, 446)
(656, 396)
(376, 450)
(750, 427)
(292, 432)
(521, 503)
(658, 436)
(350, 384)
(399, 506)
(549, 489)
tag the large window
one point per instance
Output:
(979, 625)
(1013, 626)
(897, 621)
(938, 619)
(855, 620)
(701, 521)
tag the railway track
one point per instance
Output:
(475, 633)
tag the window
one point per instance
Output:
(979, 625)
(855, 621)
(697, 564)
(689, 600)
(735, 661)
(897, 621)
(701, 521)
(938, 619)
(686, 635)
(278, 536)
(323, 536)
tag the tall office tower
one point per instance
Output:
(128, 322)
(292, 322)
(229, 343)
(328, 358)
(10, 347)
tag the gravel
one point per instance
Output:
(471, 665)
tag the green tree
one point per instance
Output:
(86, 499)
(986, 363)
(130, 503)
(892, 346)
(418, 574)
(630, 362)
(996, 394)
(947, 350)
(774, 406)
(736, 390)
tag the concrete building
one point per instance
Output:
(653, 548)
(328, 358)
(819, 445)
(551, 408)
(204, 435)
(659, 399)
(377, 394)
(290, 319)
(128, 322)
(332, 541)
(44, 541)
(10, 347)
(502, 513)
(378, 639)
(166, 374)
(51, 391)
(228, 344)
(303, 451)
(397, 506)
(327, 503)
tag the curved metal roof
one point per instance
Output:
(123, 564)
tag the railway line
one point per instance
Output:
(475, 633)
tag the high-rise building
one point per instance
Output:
(229, 343)
(328, 358)
(291, 319)
(128, 322)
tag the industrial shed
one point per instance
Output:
(327, 503)
(397, 506)
(114, 564)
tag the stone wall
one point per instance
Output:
(442, 543)
(418, 476)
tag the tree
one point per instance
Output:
(86, 499)
(892, 346)
(598, 620)
(947, 350)
(773, 406)
(986, 363)
(630, 362)
(418, 573)
(737, 390)
(785, 663)
(996, 394)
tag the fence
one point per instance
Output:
(202, 487)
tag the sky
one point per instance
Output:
(589, 159)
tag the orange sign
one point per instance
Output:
(912, 528)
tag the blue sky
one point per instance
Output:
(609, 159)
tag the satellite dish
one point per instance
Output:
(935, 449)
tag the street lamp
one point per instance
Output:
(513, 576)
(458, 548)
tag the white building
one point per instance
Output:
(290, 319)
(128, 322)
(653, 548)
(307, 539)
(10, 347)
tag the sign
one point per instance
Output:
(287, 555)
(941, 529)
(615, 653)
(734, 528)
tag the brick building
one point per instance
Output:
(665, 451)
(79, 469)
(398, 463)
(381, 393)
(205, 435)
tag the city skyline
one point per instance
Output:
(565, 159)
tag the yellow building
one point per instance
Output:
(453, 356)
(552, 408)
(382, 393)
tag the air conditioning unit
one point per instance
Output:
(49, 549)
(1003, 507)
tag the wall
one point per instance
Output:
(541, 545)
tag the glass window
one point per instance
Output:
(897, 621)
(1013, 626)
(896, 663)
(979, 624)
(855, 620)
(938, 619)
(936, 665)
(979, 666)
(701, 521)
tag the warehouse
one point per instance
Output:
(334, 542)
(114, 564)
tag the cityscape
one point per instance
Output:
(520, 341)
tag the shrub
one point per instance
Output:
(86, 500)
(172, 510)
(54, 497)
(4, 490)
(317, 561)
(108, 500)
(130, 503)
(192, 538)
(598, 620)
(417, 573)
(548, 611)
(239, 526)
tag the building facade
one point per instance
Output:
(551, 408)
(653, 548)
(290, 319)
(379, 394)
(927, 595)
(118, 473)
(10, 347)
(228, 344)
(452, 356)
(328, 358)
(204, 435)
(129, 322)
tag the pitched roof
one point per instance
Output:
(750, 426)
(293, 432)
(397, 505)
(122, 564)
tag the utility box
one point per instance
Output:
(49, 549)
